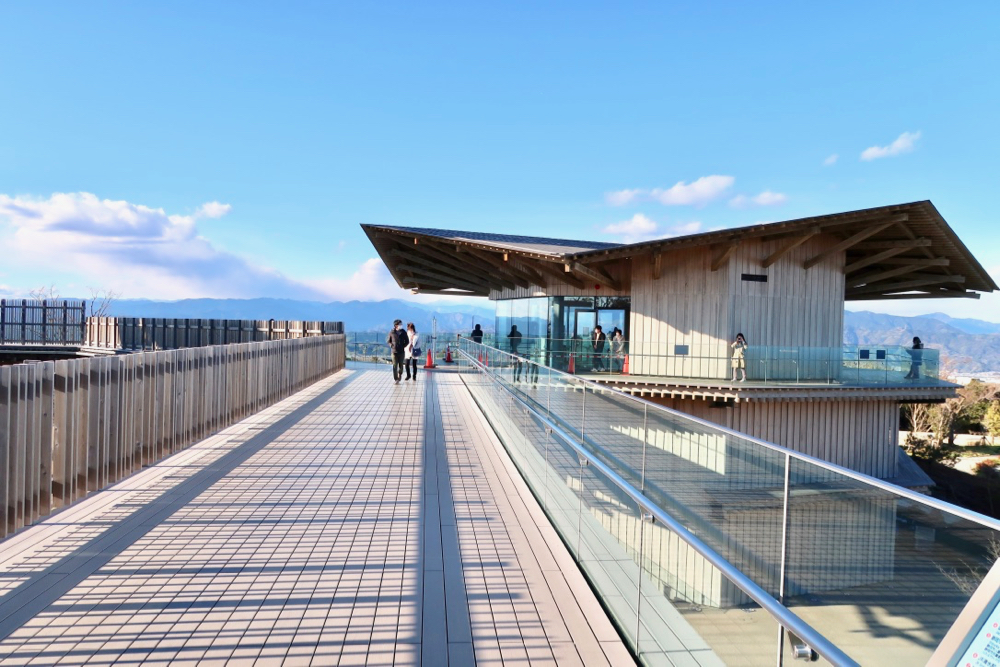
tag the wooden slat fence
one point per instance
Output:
(155, 333)
(42, 322)
(69, 428)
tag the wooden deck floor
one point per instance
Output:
(358, 522)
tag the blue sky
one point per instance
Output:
(169, 150)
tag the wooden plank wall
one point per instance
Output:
(692, 305)
(155, 333)
(69, 428)
(619, 270)
(861, 434)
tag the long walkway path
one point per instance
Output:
(357, 522)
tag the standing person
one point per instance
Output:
(597, 339)
(397, 341)
(739, 357)
(618, 349)
(477, 335)
(916, 358)
(412, 350)
(514, 341)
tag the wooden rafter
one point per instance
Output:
(885, 245)
(905, 285)
(943, 294)
(727, 252)
(789, 245)
(852, 240)
(420, 290)
(873, 259)
(442, 278)
(462, 273)
(935, 261)
(434, 259)
(855, 281)
(519, 276)
(557, 272)
(594, 273)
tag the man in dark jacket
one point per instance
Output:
(598, 338)
(477, 334)
(397, 340)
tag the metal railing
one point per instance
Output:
(42, 321)
(879, 365)
(158, 333)
(881, 569)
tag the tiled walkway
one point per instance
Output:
(358, 522)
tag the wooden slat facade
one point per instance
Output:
(71, 427)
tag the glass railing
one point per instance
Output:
(751, 549)
(371, 347)
(879, 365)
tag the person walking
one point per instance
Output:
(514, 341)
(916, 358)
(477, 334)
(618, 349)
(412, 350)
(598, 339)
(739, 357)
(397, 342)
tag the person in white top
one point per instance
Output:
(412, 351)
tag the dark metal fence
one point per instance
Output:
(42, 322)
(155, 333)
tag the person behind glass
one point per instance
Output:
(617, 349)
(739, 357)
(397, 341)
(477, 334)
(514, 341)
(916, 358)
(597, 339)
(412, 350)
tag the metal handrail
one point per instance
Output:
(788, 619)
(919, 498)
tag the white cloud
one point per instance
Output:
(212, 209)
(639, 228)
(622, 197)
(136, 250)
(830, 160)
(696, 193)
(765, 198)
(904, 143)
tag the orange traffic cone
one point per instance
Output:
(625, 366)
(430, 359)
(572, 364)
(447, 356)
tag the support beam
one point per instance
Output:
(885, 245)
(436, 260)
(943, 294)
(445, 280)
(519, 276)
(726, 254)
(873, 259)
(445, 292)
(934, 261)
(596, 274)
(657, 264)
(790, 245)
(558, 273)
(855, 281)
(852, 240)
(880, 288)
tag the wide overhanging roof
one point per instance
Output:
(905, 251)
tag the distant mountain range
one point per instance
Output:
(969, 346)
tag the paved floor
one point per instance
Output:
(358, 522)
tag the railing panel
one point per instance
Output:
(71, 427)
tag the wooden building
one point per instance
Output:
(681, 301)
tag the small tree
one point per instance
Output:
(992, 420)
(101, 300)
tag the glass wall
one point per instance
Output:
(554, 329)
